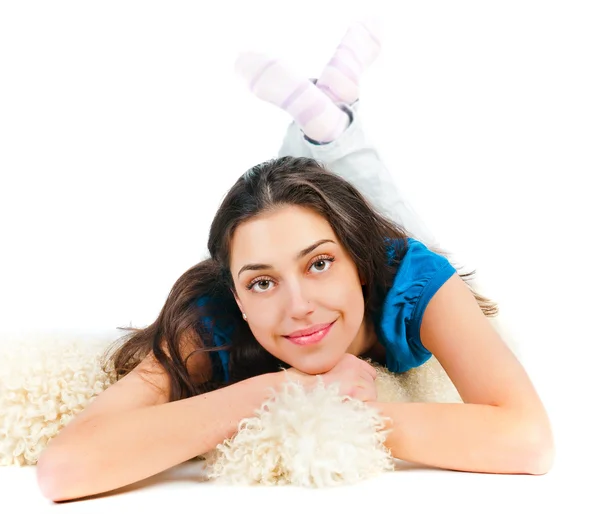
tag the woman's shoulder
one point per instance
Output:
(419, 275)
(415, 260)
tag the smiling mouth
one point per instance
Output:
(312, 338)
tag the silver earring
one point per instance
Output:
(244, 316)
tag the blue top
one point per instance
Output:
(420, 275)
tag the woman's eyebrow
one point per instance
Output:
(301, 253)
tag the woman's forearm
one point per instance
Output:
(467, 437)
(109, 452)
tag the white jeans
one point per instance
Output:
(355, 159)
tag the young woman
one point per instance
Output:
(307, 275)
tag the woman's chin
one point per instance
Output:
(319, 367)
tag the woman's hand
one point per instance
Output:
(356, 378)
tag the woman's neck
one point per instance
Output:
(365, 343)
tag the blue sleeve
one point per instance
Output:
(420, 275)
(221, 337)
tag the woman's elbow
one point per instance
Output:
(543, 460)
(53, 477)
(539, 449)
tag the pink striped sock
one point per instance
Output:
(358, 49)
(270, 80)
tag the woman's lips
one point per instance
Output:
(313, 338)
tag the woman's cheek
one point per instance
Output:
(263, 322)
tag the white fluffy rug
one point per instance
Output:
(303, 438)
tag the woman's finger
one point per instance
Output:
(370, 369)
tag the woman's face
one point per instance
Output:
(291, 274)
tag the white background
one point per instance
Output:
(122, 125)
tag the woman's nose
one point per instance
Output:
(299, 301)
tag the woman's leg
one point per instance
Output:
(350, 154)
(327, 126)
(355, 159)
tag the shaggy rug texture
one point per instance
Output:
(310, 438)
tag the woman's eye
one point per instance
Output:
(261, 285)
(322, 265)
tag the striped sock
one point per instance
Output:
(359, 47)
(270, 80)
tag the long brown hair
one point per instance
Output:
(201, 300)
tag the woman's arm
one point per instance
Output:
(108, 451)
(502, 427)
(466, 437)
